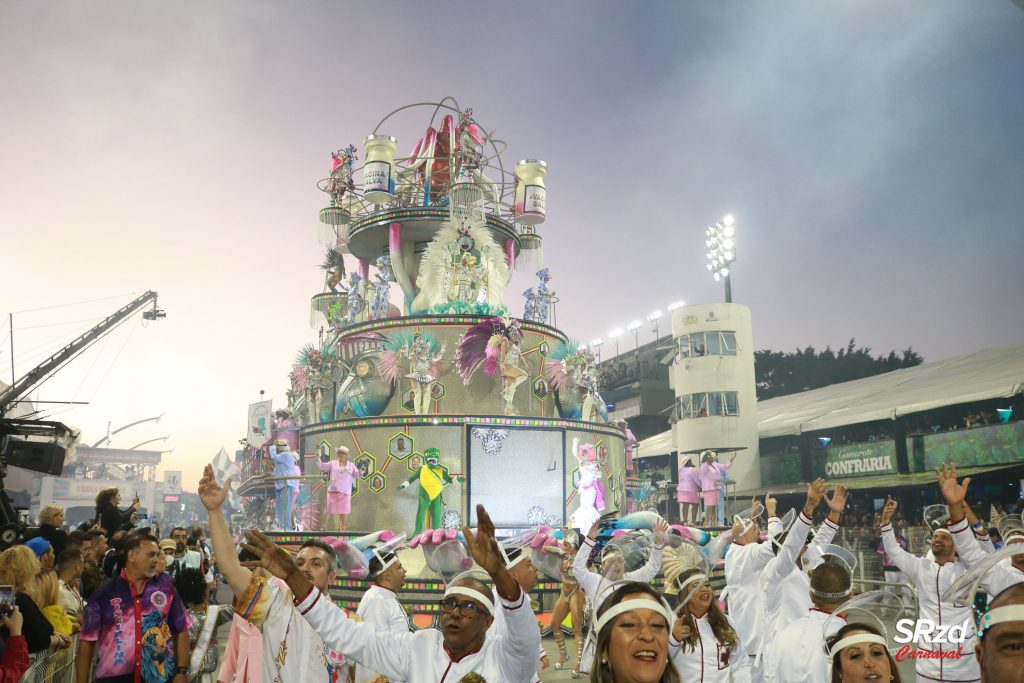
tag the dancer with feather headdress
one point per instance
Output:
(422, 353)
(495, 344)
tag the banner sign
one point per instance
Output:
(172, 482)
(117, 456)
(990, 445)
(259, 423)
(856, 460)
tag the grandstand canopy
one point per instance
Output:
(979, 376)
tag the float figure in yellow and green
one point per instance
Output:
(433, 478)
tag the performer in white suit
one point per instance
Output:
(461, 646)
(785, 585)
(931, 579)
(379, 605)
(597, 588)
(797, 654)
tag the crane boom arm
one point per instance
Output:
(44, 369)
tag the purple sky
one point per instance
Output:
(870, 151)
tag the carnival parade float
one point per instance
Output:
(460, 394)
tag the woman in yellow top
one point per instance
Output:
(48, 600)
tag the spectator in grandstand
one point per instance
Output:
(155, 642)
(14, 662)
(92, 567)
(51, 519)
(43, 551)
(69, 573)
(48, 601)
(110, 518)
(18, 569)
(206, 619)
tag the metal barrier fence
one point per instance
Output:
(53, 666)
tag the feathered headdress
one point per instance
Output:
(436, 263)
(482, 343)
(562, 359)
(394, 342)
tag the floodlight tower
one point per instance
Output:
(721, 243)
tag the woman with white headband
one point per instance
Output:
(859, 655)
(632, 627)
(704, 645)
(597, 588)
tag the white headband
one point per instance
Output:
(634, 603)
(1001, 614)
(692, 579)
(470, 593)
(854, 640)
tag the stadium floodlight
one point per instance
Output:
(720, 240)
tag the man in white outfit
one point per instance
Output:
(968, 546)
(746, 559)
(517, 561)
(936, 661)
(379, 605)
(1001, 642)
(460, 647)
(786, 587)
(797, 654)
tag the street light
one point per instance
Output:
(653, 317)
(721, 243)
(615, 334)
(596, 344)
(676, 305)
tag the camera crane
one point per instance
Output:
(41, 445)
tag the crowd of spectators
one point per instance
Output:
(64, 582)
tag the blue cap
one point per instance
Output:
(38, 545)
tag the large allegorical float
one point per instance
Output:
(456, 397)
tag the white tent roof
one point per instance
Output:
(659, 444)
(992, 373)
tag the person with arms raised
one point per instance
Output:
(293, 651)
(459, 648)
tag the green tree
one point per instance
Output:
(779, 374)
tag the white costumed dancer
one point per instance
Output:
(590, 488)
(705, 646)
(970, 550)
(786, 588)
(931, 579)
(746, 559)
(446, 655)
(597, 589)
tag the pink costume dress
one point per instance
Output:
(243, 655)
(689, 484)
(339, 491)
(710, 476)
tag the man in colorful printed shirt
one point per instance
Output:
(137, 622)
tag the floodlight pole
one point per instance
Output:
(728, 288)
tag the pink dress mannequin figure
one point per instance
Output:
(343, 472)
(686, 493)
(711, 474)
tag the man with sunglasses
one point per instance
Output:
(461, 646)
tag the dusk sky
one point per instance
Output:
(871, 151)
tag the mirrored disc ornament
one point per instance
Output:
(452, 519)
(535, 516)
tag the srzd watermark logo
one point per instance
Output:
(939, 641)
